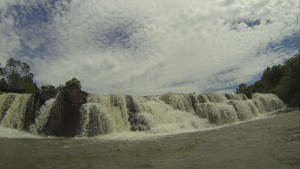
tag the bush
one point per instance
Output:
(73, 84)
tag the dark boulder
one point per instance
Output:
(73, 99)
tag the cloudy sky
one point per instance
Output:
(146, 47)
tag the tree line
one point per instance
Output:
(15, 77)
(282, 80)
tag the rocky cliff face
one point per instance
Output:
(73, 99)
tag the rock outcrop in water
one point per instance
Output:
(76, 113)
(73, 100)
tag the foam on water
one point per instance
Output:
(123, 116)
(13, 133)
(142, 135)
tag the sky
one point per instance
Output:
(149, 47)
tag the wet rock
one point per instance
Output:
(73, 99)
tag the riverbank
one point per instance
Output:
(267, 143)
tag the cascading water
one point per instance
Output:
(161, 117)
(217, 113)
(104, 114)
(109, 113)
(6, 100)
(49, 117)
(95, 121)
(181, 102)
(19, 112)
(267, 102)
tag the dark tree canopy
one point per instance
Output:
(73, 84)
(16, 77)
(282, 80)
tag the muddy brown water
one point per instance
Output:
(267, 143)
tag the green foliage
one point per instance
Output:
(3, 85)
(73, 84)
(60, 87)
(48, 90)
(243, 88)
(16, 77)
(289, 86)
(282, 80)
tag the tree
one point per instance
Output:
(271, 77)
(243, 88)
(282, 80)
(1, 70)
(73, 84)
(289, 86)
(3, 85)
(48, 91)
(18, 77)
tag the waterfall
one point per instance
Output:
(49, 117)
(135, 109)
(6, 100)
(216, 97)
(239, 96)
(181, 102)
(42, 116)
(245, 109)
(161, 117)
(267, 102)
(19, 112)
(116, 113)
(95, 121)
(217, 113)
(104, 114)
(224, 108)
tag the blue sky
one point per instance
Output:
(145, 47)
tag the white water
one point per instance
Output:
(43, 116)
(109, 114)
(13, 133)
(104, 114)
(6, 100)
(49, 116)
(267, 102)
(217, 113)
(16, 113)
(171, 113)
(163, 118)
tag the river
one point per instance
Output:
(272, 142)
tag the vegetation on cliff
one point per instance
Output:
(282, 80)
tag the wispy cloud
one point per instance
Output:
(149, 47)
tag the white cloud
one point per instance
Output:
(9, 41)
(150, 47)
